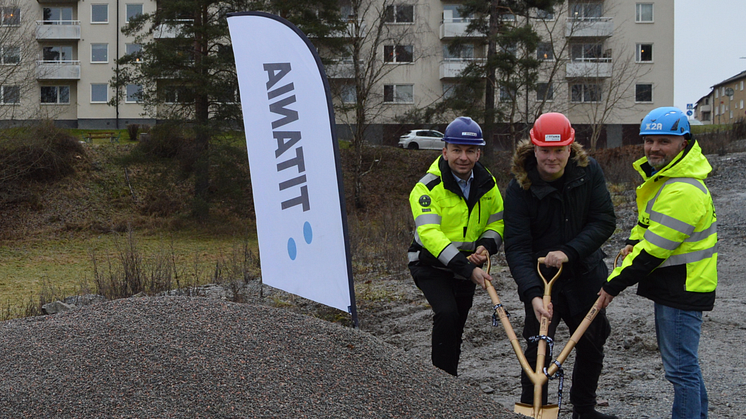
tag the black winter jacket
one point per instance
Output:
(540, 219)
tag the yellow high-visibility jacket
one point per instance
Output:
(450, 226)
(675, 239)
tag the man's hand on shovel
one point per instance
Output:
(478, 276)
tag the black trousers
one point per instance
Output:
(589, 355)
(451, 300)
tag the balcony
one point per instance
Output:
(340, 70)
(595, 27)
(452, 68)
(355, 27)
(53, 30)
(172, 29)
(58, 70)
(453, 29)
(589, 68)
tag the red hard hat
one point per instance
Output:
(552, 130)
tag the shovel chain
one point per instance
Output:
(561, 375)
(496, 317)
(550, 342)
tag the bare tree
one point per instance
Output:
(383, 39)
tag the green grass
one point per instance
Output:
(26, 268)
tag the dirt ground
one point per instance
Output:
(632, 384)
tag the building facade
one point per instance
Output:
(725, 102)
(603, 62)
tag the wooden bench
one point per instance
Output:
(111, 135)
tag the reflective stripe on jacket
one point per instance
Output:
(449, 226)
(675, 239)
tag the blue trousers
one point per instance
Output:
(678, 334)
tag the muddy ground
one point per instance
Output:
(632, 384)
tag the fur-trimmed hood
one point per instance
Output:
(524, 161)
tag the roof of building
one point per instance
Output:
(739, 76)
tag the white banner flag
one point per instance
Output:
(294, 160)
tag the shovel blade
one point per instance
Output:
(549, 411)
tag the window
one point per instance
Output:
(10, 55)
(644, 53)
(741, 85)
(10, 16)
(134, 93)
(99, 13)
(586, 52)
(544, 51)
(644, 92)
(398, 93)
(544, 14)
(99, 53)
(99, 93)
(134, 50)
(55, 94)
(741, 103)
(133, 10)
(451, 14)
(544, 91)
(349, 93)
(58, 15)
(506, 94)
(449, 90)
(586, 10)
(10, 95)
(178, 94)
(399, 13)
(643, 12)
(587, 93)
(458, 52)
(706, 115)
(398, 53)
(60, 53)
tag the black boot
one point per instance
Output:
(591, 414)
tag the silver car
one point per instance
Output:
(422, 139)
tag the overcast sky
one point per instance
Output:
(710, 38)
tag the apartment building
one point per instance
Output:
(603, 62)
(725, 102)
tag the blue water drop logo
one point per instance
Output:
(307, 232)
(292, 250)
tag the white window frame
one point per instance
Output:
(10, 13)
(394, 21)
(106, 61)
(583, 92)
(127, 12)
(57, 92)
(395, 94)
(129, 50)
(639, 51)
(3, 48)
(638, 13)
(348, 93)
(651, 92)
(2, 95)
(106, 90)
(549, 88)
(395, 54)
(100, 22)
(127, 97)
(551, 51)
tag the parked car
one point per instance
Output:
(422, 139)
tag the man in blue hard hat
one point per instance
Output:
(457, 210)
(672, 253)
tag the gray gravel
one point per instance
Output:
(181, 357)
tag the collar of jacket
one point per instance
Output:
(482, 182)
(525, 172)
(690, 162)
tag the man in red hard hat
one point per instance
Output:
(557, 207)
(457, 211)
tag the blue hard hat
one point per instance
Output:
(665, 121)
(463, 130)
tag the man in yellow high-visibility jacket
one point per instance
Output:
(672, 251)
(457, 210)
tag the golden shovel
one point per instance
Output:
(540, 375)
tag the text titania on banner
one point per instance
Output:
(286, 140)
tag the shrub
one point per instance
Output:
(132, 130)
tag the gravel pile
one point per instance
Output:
(185, 357)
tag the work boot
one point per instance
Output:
(591, 414)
